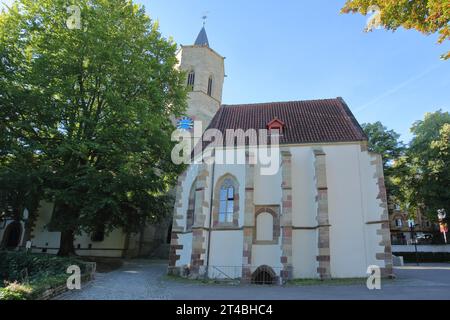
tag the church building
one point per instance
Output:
(321, 214)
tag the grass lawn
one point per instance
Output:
(294, 282)
(332, 282)
(201, 281)
(335, 281)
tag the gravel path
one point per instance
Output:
(135, 280)
(145, 279)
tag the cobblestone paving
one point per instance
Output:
(146, 280)
(135, 280)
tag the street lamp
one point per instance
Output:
(412, 225)
(443, 228)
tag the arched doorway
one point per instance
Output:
(12, 235)
(264, 275)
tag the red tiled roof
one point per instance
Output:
(311, 121)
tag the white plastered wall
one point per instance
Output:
(48, 241)
(304, 212)
(352, 201)
(185, 239)
(372, 204)
(348, 243)
(226, 253)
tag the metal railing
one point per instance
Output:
(252, 274)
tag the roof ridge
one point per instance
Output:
(277, 102)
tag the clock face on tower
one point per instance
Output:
(185, 123)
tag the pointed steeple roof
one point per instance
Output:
(202, 38)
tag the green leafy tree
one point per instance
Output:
(91, 90)
(426, 16)
(21, 167)
(423, 174)
(385, 142)
(21, 188)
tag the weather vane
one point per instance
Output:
(205, 17)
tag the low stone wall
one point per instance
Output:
(425, 253)
(410, 257)
(421, 248)
(55, 291)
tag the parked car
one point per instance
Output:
(424, 238)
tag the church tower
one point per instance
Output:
(205, 75)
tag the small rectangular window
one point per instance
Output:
(210, 82)
(191, 80)
(98, 235)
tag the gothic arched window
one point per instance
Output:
(226, 204)
(191, 80)
(210, 84)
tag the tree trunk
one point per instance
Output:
(66, 247)
(29, 224)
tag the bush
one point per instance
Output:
(15, 291)
(27, 275)
(21, 266)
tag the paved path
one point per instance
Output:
(144, 279)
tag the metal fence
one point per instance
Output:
(258, 274)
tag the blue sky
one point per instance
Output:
(298, 49)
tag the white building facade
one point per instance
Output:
(321, 214)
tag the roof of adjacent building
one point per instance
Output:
(310, 121)
(202, 38)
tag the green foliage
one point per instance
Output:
(15, 291)
(21, 186)
(27, 275)
(423, 174)
(85, 113)
(385, 142)
(33, 289)
(22, 266)
(426, 16)
(418, 176)
(40, 284)
(334, 281)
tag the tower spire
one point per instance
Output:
(202, 38)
